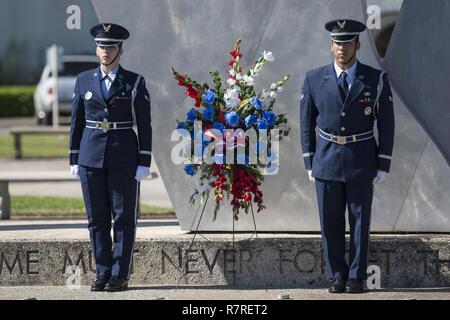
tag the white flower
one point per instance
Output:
(238, 76)
(231, 97)
(268, 56)
(196, 197)
(273, 94)
(273, 86)
(265, 94)
(232, 72)
(231, 93)
(231, 82)
(249, 80)
(280, 89)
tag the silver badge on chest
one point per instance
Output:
(88, 95)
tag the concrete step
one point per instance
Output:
(57, 253)
(151, 293)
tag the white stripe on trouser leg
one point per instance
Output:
(135, 228)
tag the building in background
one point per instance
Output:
(30, 27)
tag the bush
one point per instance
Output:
(16, 101)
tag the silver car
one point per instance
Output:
(45, 90)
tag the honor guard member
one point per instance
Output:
(108, 156)
(339, 105)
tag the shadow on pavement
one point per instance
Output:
(23, 227)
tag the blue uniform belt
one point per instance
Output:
(106, 126)
(342, 140)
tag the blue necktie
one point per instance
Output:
(105, 90)
(343, 87)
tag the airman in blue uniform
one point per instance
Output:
(340, 104)
(108, 156)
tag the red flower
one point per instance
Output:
(191, 92)
(221, 116)
(236, 54)
(231, 63)
(182, 81)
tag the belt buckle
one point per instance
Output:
(104, 125)
(341, 140)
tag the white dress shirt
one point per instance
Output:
(106, 83)
(350, 73)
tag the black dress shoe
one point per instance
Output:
(116, 284)
(355, 286)
(99, 284)
(338, 286)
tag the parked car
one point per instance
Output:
(43, 96)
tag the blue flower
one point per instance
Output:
(270, 117)
(209, 97)
(232, 118)
(199, 136)
(192, 115)
(208, 114)
(250, 120)
(256, 103)
(219, 126)
(262, 124)
(190, 170)
(182, 128)
(261, 147)
(199, 150)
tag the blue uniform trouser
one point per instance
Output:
(111, 194)
(333, 198)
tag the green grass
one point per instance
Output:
(17, 89)
(33, 206)
(39, 146)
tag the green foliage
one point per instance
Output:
(16, 101)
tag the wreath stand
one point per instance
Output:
(255, 233)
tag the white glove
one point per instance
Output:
(311, 178)
(142, 173)
(75, 170)
(381, 176)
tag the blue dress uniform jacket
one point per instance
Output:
(322, 106)
(114, 148)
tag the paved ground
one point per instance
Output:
(13, 230)
(214, 293)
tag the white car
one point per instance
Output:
(43, 96)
